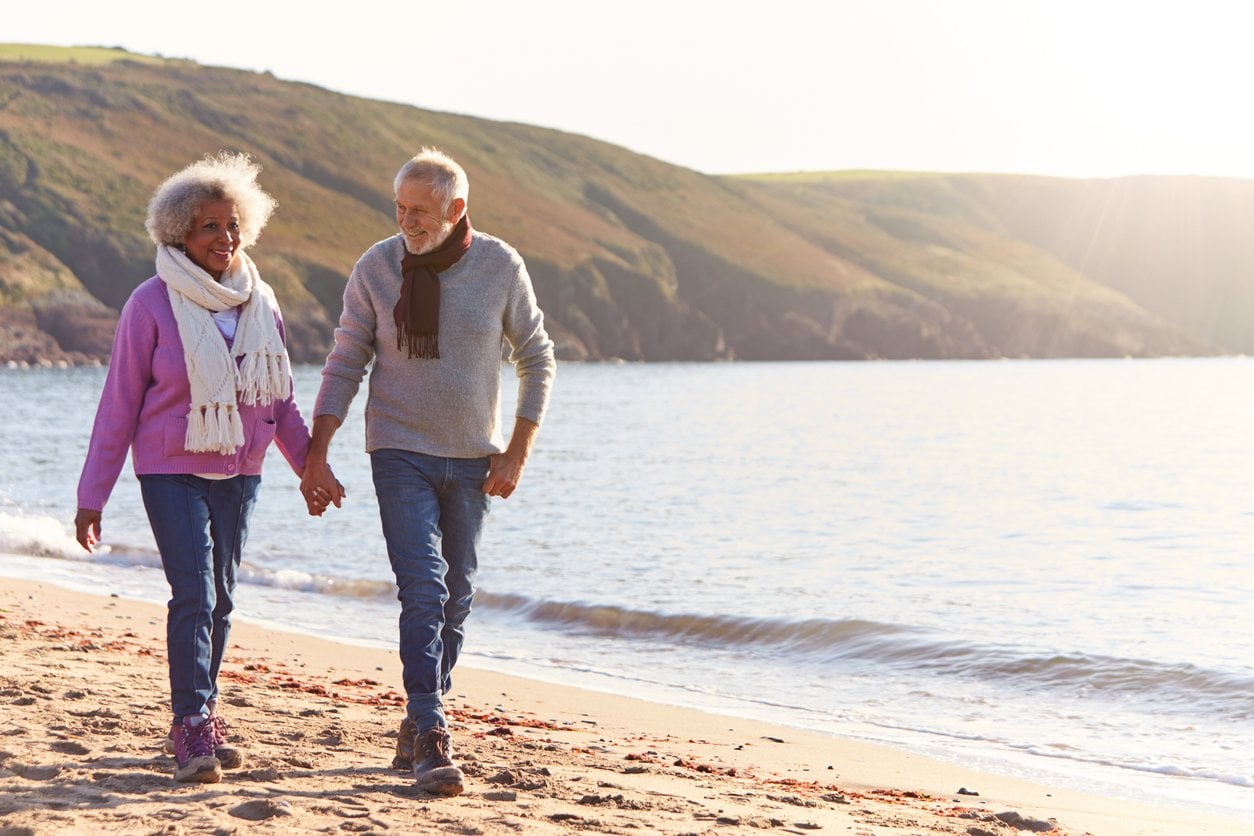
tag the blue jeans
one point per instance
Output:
(432, 509)
(200, 526)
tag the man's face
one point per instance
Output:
(419, 217)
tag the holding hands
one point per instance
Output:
(320, 488)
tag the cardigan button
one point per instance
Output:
(230, 468)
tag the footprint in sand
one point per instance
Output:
(36, 772)
(265, 775)
(69, 747)
(261, 809)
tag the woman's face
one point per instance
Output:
(214, 237)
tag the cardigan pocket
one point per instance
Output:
(174, 441)
(258, 441)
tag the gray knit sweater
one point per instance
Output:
(450, 406)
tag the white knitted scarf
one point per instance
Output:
(263, 373)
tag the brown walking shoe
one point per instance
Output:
(405, 740)
(435, 773)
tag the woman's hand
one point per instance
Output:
(87, 528)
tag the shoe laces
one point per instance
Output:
(435, 743)
(198, 741)
(219, 729)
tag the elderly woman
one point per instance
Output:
(199, 384)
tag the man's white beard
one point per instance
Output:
(432, 242)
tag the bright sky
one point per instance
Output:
(1078, 88)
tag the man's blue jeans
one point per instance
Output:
(200, 526)
(432, 510)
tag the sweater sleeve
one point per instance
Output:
(353, 350)
(531, 350)
(291, 432)
(117, 415)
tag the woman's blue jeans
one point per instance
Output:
(200, 526)
(432, 509)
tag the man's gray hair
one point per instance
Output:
(440, 172)
(224, 176)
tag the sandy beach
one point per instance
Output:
(83, 711)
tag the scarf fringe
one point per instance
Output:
(422, 346)
(215, 428)
(263, 378)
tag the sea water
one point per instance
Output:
(1040, 568)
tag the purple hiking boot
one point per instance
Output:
(228, 756)
(195, 762)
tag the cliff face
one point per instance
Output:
(632, 258)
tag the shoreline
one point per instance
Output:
(84, 690)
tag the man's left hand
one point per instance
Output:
(504, 473)
(505, 469)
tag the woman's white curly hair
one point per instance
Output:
(224, 176)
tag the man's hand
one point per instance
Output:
(87, 528)
(504, 474)
(505, 470)
(320, 488)
(317, 483)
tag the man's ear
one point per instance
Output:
(455, 210)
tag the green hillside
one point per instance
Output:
(1175, 247)
(632, 258)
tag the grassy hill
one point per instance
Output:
(632, 258)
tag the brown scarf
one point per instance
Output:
(417, 313)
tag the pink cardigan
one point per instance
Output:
(144, 408)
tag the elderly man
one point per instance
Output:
(433, 307)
